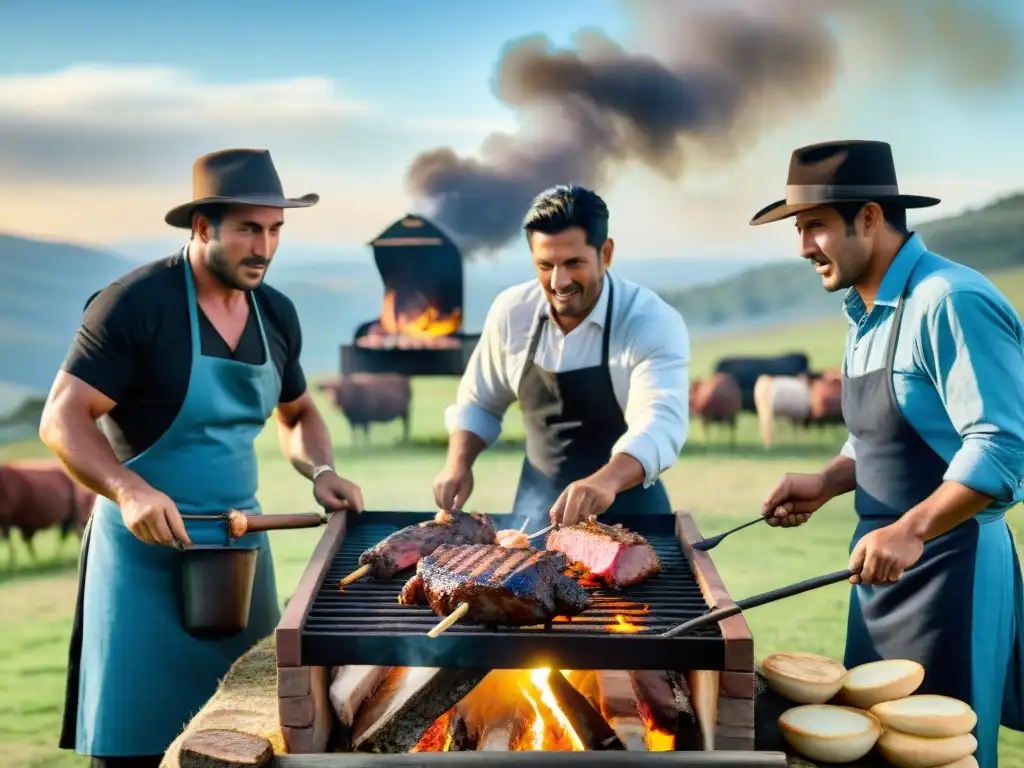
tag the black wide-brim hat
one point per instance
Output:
(840, 172)
(236, 177)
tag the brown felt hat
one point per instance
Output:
(239, 177)
(840, 172)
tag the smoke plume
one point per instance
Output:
(723, 73)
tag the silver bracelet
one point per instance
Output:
(319, 469)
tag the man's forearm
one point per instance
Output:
(80, 445)
(840, 476)
(950, 505)
(621, 473)
(463, 448)
(307, 442)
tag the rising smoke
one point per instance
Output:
(723, 72)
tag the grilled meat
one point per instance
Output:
(619, 557)
(511, 587)
(404, 548)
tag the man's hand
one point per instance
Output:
(335, 493)
(453, 486)
(152, 517)
(582, 499)
(881, 556)
(795, 499)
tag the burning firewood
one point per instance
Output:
(502, 737)
(449, 733)
(591, 728)
(404, 707)
(621, 708)
(351, 686)
(665, 700)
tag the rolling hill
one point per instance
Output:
(44, 285)
(989, 239)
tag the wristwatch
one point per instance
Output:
(319, 469)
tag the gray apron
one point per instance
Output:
(958, 610)
(572, 421)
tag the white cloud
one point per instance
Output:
(96, 97)
(101, 124)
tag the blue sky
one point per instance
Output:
(107, 105)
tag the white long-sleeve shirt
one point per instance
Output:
(648, 358)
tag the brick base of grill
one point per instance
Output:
(723, 703)
(239, 727)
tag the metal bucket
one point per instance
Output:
(216, 590)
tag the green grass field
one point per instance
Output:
(720, 487)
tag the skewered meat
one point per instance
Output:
(404, 548)
(512, 587)
(619, 557)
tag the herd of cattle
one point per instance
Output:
(781, 388)
(38, 494)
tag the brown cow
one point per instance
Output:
(717, 400)
(367, 398)
(827, 399)
(39, 494)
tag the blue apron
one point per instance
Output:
(958, 611)
(141, 677)
(572, 420)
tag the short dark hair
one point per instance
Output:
(212, 212)
(895, 215)
(560, 208)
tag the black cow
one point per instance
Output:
(746, 371)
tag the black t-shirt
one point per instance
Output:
(135, 346)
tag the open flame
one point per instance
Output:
(427, 321)
(522, 709)
(420, 328)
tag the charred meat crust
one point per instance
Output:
(510, 587)
(405, 547)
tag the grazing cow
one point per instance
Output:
(39, 494)
(746, 371)
(781, 397)
(367, 398)
(716, 400)
(826, 399)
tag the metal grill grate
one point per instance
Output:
(365, 624)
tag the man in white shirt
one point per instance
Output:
(599, 366)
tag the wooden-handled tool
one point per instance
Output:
(241, 523)
(448, 620)
(716, 615)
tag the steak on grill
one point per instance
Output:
(404, 548)
(619, 557)
(511, 587)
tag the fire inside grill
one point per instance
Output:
(421, 313)
(600, 680)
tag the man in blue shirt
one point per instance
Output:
(933, 397)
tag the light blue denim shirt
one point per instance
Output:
(958, 371)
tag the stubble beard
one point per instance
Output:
(216, 262)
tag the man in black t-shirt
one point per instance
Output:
(183, 360)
